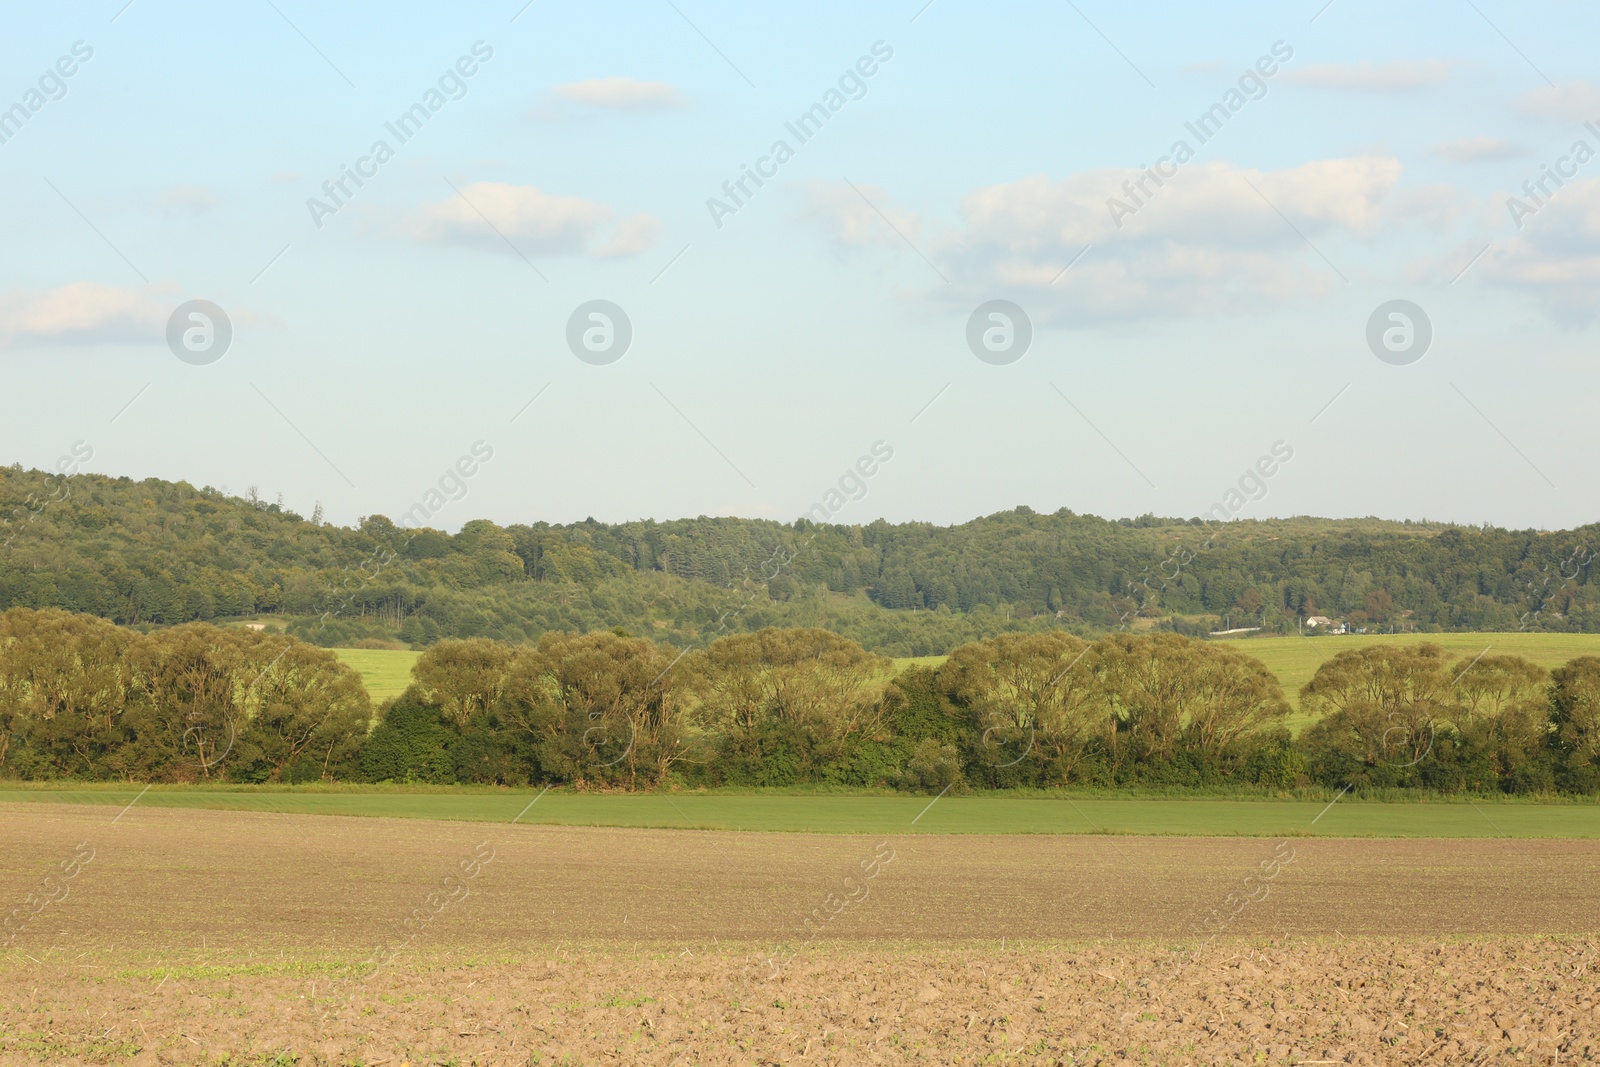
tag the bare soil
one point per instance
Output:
(205, 937)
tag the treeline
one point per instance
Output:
(81, 698)
(158, 553)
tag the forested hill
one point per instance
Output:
(157, 552)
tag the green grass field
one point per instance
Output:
(1066, 814)
(1295, 659)
(903, 662)
(386, 673)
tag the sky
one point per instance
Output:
(1088, 255)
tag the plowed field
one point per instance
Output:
(186, 935)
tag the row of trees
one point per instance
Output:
(81, 698)
(1409, 716)
(781, 707)
(84, 699)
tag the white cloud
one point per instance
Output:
(81, 313)
(1479, 150)
(848, 220)
(186, 200)
(634, 234)
(536, 222)
(622, 94)
(1574, 101)
(1555, 256)
(1204, 241)
(1401, 75)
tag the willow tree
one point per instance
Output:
(1575, 714)
(63, 691)
(1381, 705)
(308, 713)
(825, 686)
(190, 697)
(601, 705)
(1170, 694)
(464, 677)
(1030, 697)
(1502, 709)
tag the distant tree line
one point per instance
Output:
(156, 553)
(83, 699)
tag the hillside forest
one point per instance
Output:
(151, 554)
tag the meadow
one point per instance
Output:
(1295, 659)
(384, 672)
(1062, 813)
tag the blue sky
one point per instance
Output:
(1226, 314)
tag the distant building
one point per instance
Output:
(255, 626)
(1319, 620)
